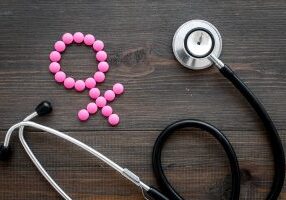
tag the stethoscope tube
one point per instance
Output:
(277, 147)
(192, 123)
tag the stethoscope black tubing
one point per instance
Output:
(276, 144)
(277, 147)
(168, 131)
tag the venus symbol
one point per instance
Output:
(99, 100)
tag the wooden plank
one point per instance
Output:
(138, 36)
(193, 161)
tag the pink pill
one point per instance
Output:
(60, 76)
(106, 111)
(55, 56)
(103, 66)
(118, 88)
(90, 83)
(54, 67)
(99, 77)
(109, 95)
(94, 93)
(83, 115)
(60, 46)
(91, 108)
(67, 38)
(79, 85)
(78, 37)
(69, 83)
(113, 119)
(100, 102)
(101, 56)
(98, 45)
(89, 39)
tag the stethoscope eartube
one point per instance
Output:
(44, 108)
(192, 123)
(197, 44)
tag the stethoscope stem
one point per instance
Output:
(217, 62)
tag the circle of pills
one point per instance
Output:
(90, 83)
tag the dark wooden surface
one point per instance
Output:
(138, 37)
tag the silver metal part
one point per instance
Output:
(134, 179)
(194, 41)
(27, 123)
(131, 176)
(216, 61)
(199, 43)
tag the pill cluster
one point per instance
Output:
(99, 101)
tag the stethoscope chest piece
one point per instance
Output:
(194, 41)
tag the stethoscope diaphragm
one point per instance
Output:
(194, 42)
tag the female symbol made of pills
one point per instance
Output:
(100, 101)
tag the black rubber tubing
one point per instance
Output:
(277, 147)
(155, 194)
(276, 144)
(168, 131)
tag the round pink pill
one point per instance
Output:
(89, 39)
(78, 37)
(91, 108)
(100, 101)
(109, 95)
(90, 83)
(67, 38)
(106, 111)
(101, 56)
(83, 115)
(98, 45)
(54, 67)
(55, 56)
(69, 83)
(113, 119)
(94, 93)
(60, 76)
(60, 46)
(118, 88)
(103, 66)
(99, 77)
(79, 85)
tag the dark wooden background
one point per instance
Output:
(138, 37)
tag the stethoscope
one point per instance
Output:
(197, 45)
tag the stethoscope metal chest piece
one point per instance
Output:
(195, 43)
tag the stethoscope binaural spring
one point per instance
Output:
(197, 44)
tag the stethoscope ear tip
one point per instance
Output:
(45, 107)
(5, 152)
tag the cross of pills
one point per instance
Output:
(99, 100)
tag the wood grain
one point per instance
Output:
(138, 37)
